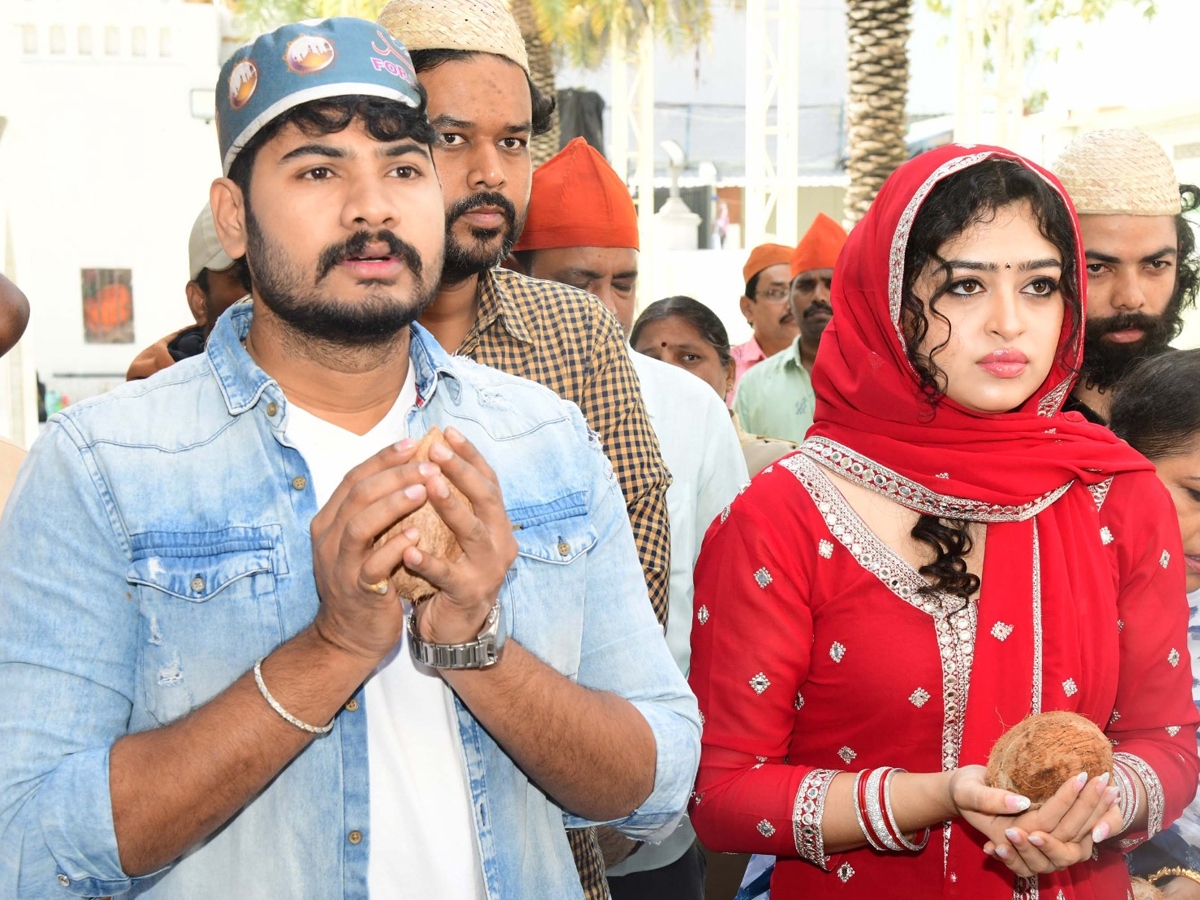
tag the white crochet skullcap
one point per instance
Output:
(477, 26)
(1118, 172)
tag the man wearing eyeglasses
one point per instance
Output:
(776, 398)
(765, 306)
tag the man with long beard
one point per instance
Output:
(471, 58)
(1141, 256)
(204, 684)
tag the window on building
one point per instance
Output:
(112, 40)
(84, 40)
(166, 42)
(138, 40)
(29, 39)
(58, 39)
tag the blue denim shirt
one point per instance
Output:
(157, 543)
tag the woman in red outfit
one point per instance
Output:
(946, 554)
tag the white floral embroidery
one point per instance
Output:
(1099, 492)
(760, 683)
(1165, 559)
(1070, 688)
(942, 475)
(1172, 730)
(701, 716)
(799, 701)
(702, 614)
(765, 828)
(847, 755)
(837, 651)
(825, 548)
(1120, 625)
(763, 577)
(845, 872)
(1173, 657)
(919, 697)
(1106, 536)
(768, 470)
(1112, 720)
(725, 514)
(1001, 631)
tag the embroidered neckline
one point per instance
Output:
(866, 472)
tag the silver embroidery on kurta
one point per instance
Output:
(1099, 492)
(882, 480)
(1026, 889)
(702, 614)
(1035, 706)
(919, 697)
(762, 577)
(825, 548)
(836, 651)
(1106, 536)
(1070, 688)
(765, 828)
(807, 813)
(725, 514)
(1165, 559)
(1172, 730)
(1173, 657)
(799, 700)
(847, 755)
(1001, 631)
(760, 683)
(845, 872)
(1155, 802)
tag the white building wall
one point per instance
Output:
(102, 164)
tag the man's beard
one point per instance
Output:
(474, 257)
(1105, 363)
(373, 320)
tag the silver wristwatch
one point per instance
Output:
(480, 653)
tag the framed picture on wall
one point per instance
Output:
(107, 305)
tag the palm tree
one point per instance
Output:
(877, 32)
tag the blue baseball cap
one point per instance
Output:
(312, 60)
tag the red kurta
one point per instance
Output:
(812, 651)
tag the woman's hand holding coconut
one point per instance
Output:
(1059, 833)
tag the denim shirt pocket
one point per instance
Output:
(548, 583)
(209, 609)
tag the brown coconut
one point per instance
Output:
(1037, 755)
(1144, 890)
(436, 536)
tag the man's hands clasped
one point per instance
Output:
(373, 496)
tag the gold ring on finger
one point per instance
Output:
(379, 587)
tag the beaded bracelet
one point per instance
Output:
(287, 716)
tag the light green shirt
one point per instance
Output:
(775, 398)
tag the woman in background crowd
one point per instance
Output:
(1157, 410)
(945, 555)
(686, 333)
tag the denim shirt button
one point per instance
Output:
(272, 409)
(198, 584)
(564, 548)
(355, 837)
(64, 880)
(352, 705)
(299, 482)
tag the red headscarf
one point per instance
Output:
(986, 467)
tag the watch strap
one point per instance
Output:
(480, 653)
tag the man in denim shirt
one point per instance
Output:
(208, 687)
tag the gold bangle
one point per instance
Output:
(1175, 871)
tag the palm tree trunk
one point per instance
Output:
(877, 31)
(541, 72)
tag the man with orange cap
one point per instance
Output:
(766, 309)
(776, 399)
(582, 230)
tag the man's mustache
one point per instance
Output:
(488, 198)
(1124, 322)
(357, 243)
(818, 306)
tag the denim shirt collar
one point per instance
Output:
(243, 383)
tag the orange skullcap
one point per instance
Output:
(820, 246)
(577, 200)
(763, 257)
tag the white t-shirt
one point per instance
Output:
(422, 833)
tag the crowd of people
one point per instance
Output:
(424, 565)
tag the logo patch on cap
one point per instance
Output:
(308, 54)
(242, 82)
